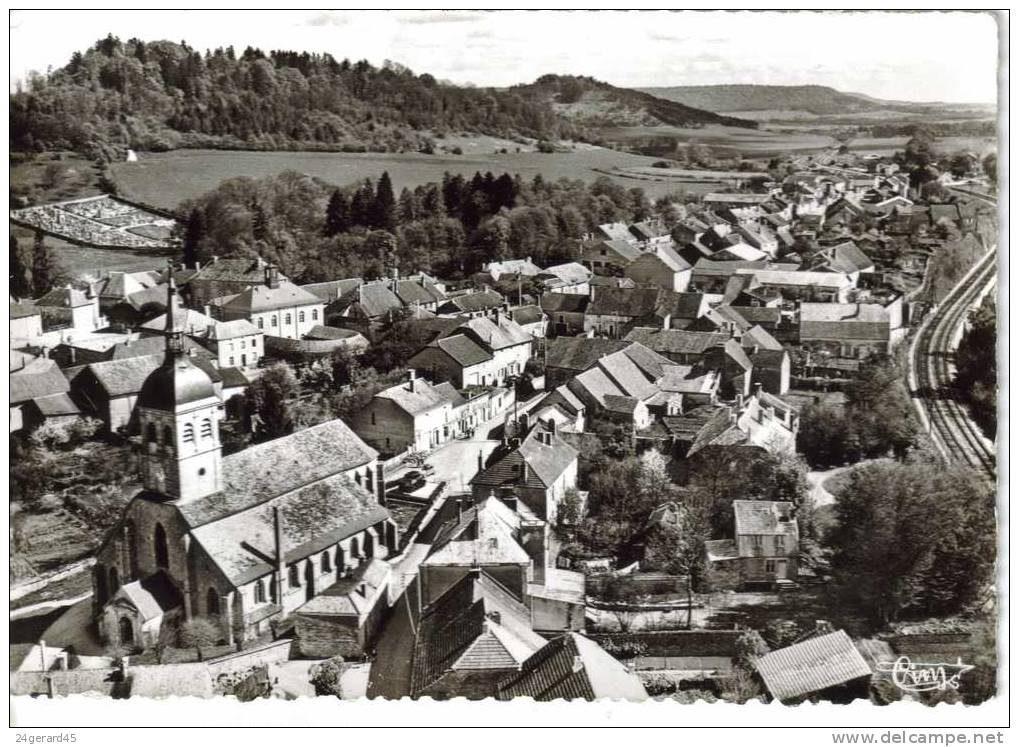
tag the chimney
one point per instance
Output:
(511, 502)
(757, 388)
(494, 616)
(411, 379)
(380, 482)
(553, 427)
(272, 276)
(198, 265)
(277, 527)
(362, 589)
(591, 289)
(481, 460)
(525, 471)
(215, 259)
(459, 510)
(207, 310)
(474, 573)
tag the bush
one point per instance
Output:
(325, 677)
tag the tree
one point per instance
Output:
(193, 235)
(912, 537)
(383, 211)
(623, 598)
(269, 399)
(990, 164)
(362, 204)
(571, 509)
(47, 272)
(337, 213)
(326, 677)
(976, 363)
(879, 407)
(201, 634)
(21, 282)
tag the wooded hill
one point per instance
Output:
(595, 104)
(164, 95)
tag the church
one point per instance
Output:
(242, 540)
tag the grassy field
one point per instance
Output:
(750, 143)
(886, 146)
(166, 179)
(82, 260)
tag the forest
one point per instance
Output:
(162, 95)
(316, 232)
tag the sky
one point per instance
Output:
(921, 56)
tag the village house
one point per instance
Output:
(612, 312)
(413, 415)
(496, 270)
(366, 307)
(678, 345)
(237, 344)
(571, 277)
(826, 287)
(239, 540)
(481, 351)
(39, 393)
(469, 639)
(277, 307)
(531, 319)
(473, 304)
(763, 551)
(25, 324)
(660, 268)
(851, 330)
(846, 258)
(610, 255)
(345, 619)
(572, 667)
(221, 278)
(565, 312)
(538, 473)
(69, 307)
(331, 291)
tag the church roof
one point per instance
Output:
(175, 383)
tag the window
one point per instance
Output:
(272, 589)
(294, 577)
(369, 482)
(300, 316)
(167, 435)
(274, 321)
(780, 543)
(189, 433)
(114, 581)
(286, 319)
(314, 314)
(212, 602)
(150, 432)
(355, 549)
(161, 549)
(207, 424)
(231, 360)
(261, 324)
(769, 566)
(259, 592)
(339, 562)
(326, 562)
(373, 418)
(102, 590)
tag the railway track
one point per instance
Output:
(955, 434)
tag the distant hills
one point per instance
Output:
(775, 101)
(594, 104)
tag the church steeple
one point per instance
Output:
(179, 415)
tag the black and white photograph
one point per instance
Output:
(474, 358)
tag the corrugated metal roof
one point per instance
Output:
(811, 666)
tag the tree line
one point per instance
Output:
(163, 95)
(316, 232)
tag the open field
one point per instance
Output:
(751, 143)
(166, 179)
(886, 146)
(53, 176)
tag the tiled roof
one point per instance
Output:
(463, 350)
(332, 290)
(757, 314)
(616, 231)
(626, 302)
(800, 278)
(374, 299)
(512, 266)
(812, 665)
(39, 378)
(186, 320)
(417, 291)
(232, 329)
(621, 248)
(567, 303)
(572, 667)
(627, 375)
(259, 298)
(496, 334)
(350, 596)
(243, 269)
(267, 470)
(313, 515)
(579, 353)
(840, 322)
(151, 596)
(528, 314)
(718, 550)
(757, 336)
(24, 310)
(64, 298)
(476, 625)
(676, 340)
(609, 281)
(713, 267)
(54, 405)
(545, 463)
(415, 397)
(126, 375)
(569, 273)
(763, 517)
(478, 301)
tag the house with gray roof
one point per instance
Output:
(277, 307)
(661, 267)
(850, 330)
(537, 472)
(572, 667)
(478, 351)
(39, 392)
(610, 255)
(764, 549)
(414, 414)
